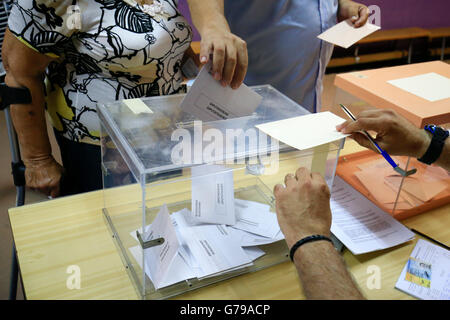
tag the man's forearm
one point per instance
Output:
(323, 272)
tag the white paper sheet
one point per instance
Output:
(248, 239)
(306, 131)
(160, 257)
(256, 218)
(360, 224)
(254, 252)
(439, 259)
(213, 195)
(178, 270)
(344, 34)
(212, 246)
(429, 86)
(208, 100)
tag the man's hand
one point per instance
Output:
(44, 175)
(228, 51)
(229, 55)
(303, 206)
(395, 134)
(357, 13)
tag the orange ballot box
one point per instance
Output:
(419, 92)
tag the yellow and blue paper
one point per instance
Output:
(418, 272)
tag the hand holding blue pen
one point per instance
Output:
(379, 149)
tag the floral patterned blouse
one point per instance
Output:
(116, 51)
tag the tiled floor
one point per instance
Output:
(8, 194)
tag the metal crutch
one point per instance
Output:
(8, 96)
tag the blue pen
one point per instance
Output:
(381, 151)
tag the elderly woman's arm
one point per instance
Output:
(230, 58)
(25, 68)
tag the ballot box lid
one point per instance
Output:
(409, 89)
(152, 134)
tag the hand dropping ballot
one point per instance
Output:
(208, 100)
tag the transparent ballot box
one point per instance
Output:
(423, 187)
(190, 203)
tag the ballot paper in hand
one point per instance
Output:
(208, 100)
(360, 225)
(213, 195)
(306, 131)
(344, 34)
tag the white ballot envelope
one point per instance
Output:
(208, 100)
(344, 34)
(213, 195)
(159, 258)
(256, 218)
(212, 246)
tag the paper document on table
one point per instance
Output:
(360, 224)
(213, 195)
(212, 246)
(208, 100)
(256, 218)
(344, 34)
(430, 86)
(426, 274)
(306, 131)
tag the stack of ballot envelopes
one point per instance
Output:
(199, 250)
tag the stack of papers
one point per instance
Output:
(205, 250)
(360, 225)
(383, 184)
(426, 274)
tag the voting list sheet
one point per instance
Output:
(360, 225)
(426, 274)
(208, 100)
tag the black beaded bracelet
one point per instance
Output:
(316, 237)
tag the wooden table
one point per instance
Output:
(53, 235)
